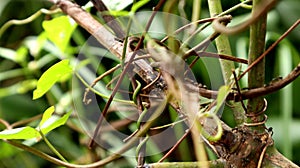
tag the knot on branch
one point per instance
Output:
(242, 147)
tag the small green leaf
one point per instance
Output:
(21, 54)
(51, 76)
(59, 30)
(20, 133)
(222, 94)
(54, 122)
(47, 114)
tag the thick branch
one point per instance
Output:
(85, 20)
(256, 75)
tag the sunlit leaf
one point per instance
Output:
(21, 54)
(53, 122)
(59, 31)
(222, 94)
(46, 115)
(49, 121)
(19, 133)
(51, 76)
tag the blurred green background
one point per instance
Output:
(25, 54)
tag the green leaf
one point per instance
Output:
(222, 94)
(51, 76)
(59, 30)
(54, 122)
(21, 54)
(49, 122)
(19, 133)
(47, 114)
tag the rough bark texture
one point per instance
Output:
(239, 147)
(256, 76)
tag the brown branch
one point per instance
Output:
(110, 20)
(274, 86)
(107, 39)
(225, 20)
(5, 123)
(222, 56)
(238, 89)
(187, 132)
(256, 92)
(86, 21)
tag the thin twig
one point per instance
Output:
(222, 56)
(5, 123)
(169, 125)
(219, 15)
(262, 10)
(270, 48)
(238, 89)
(26, 121)
(153, 82)
(268, 143)
(29, 19)
(189, 25)
(256, 92)
(175, 145)
(85, 100)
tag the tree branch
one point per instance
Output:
(252, 93)
(110, 20)
(107, 39)
(86, 21)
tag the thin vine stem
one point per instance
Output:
(187, 132)
(52, 148)
(270, 48)
(28, 19)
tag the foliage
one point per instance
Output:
(42, 60)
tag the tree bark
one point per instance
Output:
(236, 145)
